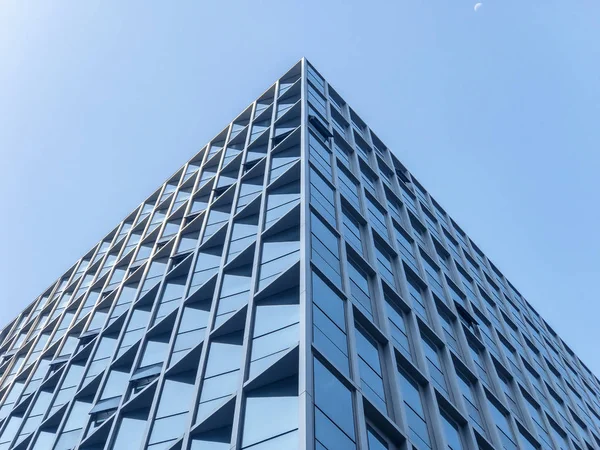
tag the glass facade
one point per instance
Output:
(292, 286)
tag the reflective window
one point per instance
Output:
(435, 365)
(218, 439)
(216, 220)
(135, 328)
(285, 104)
(503, 425)
(315, 79)
(10, 431)
(467, 284)
(36, 414)
(336, 99)
(249, 190)
(154, 275)
(369, 363)
(131, 430)
(171, 228)
(375, 441)
(408, 199)
(322, 197)
(361, 147)
(433, 276)
(444, 260)
(104, 352)
(265, 348)
(281, 200)
(280, 251)
(385, 173)
(479, 361)
(343, 153)
(155, 350)
(188, 242)
(329, 324)
(359, 288)
(449, 334)
(512, 360)
(536, 382)
(320, 154)
(283, 160)
(73, 427)
(452, 432)
(334, 411)
(275, 328)
(369, 180)
(171, 295)
(418, 232)
(325, 249)
(397, 322)
(144, 252)
(377, 217)
(352, 230)
(317, 101)
(539, 424)
(173, 407)
(559, 437)
(348, 188)
(13, 394)
(221, 377)
(506, 385)
(340, 124)
(199, 204)
(271, 415)
(470, 398)
(259, 128)
(235, 290)
(116, 384)
(405, 245)
(527, 444)
(415, 413)
(191, 331)
(452, 246)
(418, 300)
(384, 264)
(207, 265)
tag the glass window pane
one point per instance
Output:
(334, 399)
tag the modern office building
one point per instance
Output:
(292, 286)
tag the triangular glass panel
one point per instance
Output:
(98, 436)
(273, 367)
(260, 107)
(218, 218)
(215, 415)
(283, 107)
(215, 147)
(264, 102)
(280, 200)
(232, 160)
(258, 128)
(287, 82)
(279, 252)
(191, 170)
(217, 439)
(236, 128)
(230, 322)
(281, 282)
(249, 190)
(285, 127)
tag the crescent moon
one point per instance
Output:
(477, 6)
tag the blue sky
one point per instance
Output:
(494, 111)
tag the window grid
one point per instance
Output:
(242, 191)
